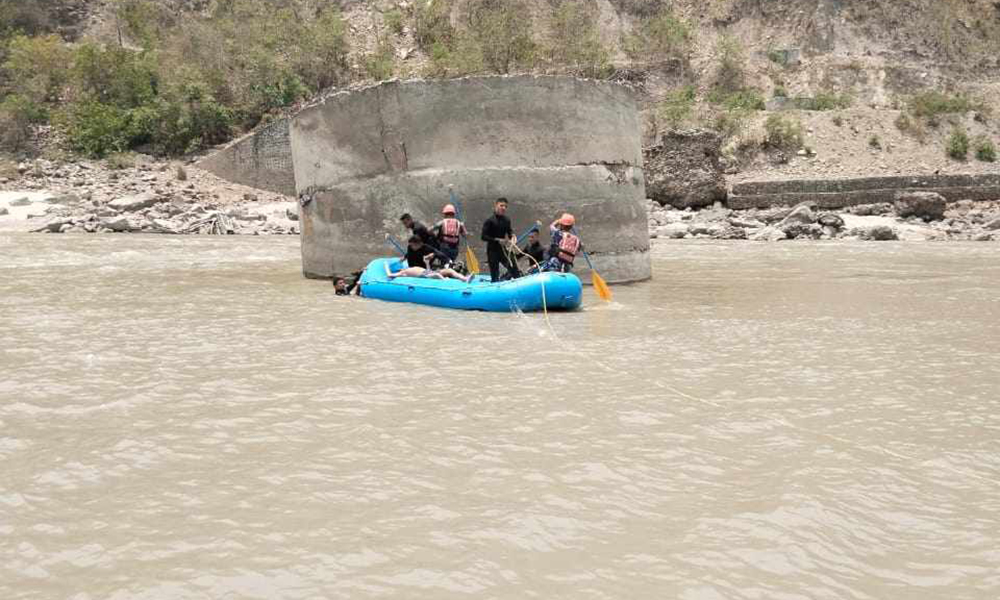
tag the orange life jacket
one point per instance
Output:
(569, 244)
(450, 230)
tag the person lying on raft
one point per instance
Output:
(426, 273)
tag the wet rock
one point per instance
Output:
(876, 233)
(984, 237)
(54, 225)
(993, 225)
(730, 232)
(673, 231)
(800, 215)
(769, 234)
(929, 206)
(745, 223)
(134, 203)
(66, 227)
(119, 223)
(20, 202)
(3, 211)
(795, 231)
(831, 220)
(291, 215)
(773, 215)
(684, 169)
(867, 210)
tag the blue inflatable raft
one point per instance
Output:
(556, 291)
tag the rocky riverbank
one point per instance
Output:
(917, 216)
(145, 197)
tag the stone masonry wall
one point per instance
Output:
(841, 193)
(262, 160)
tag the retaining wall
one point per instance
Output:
(548, 144)
(262, 160)
(841, 193)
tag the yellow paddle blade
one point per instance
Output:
(600, 286)
(471, 261)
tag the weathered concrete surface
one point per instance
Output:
(548, 144)
(262, 160)
(841, 193)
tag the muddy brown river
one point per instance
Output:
(188, 417)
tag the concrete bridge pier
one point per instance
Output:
(548, 144)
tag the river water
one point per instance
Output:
(188, 417)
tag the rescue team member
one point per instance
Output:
(449, 232)
(419, 254)
(497, 233)
(533, 251)
(565, 245)
(419, 229)
(342, 288)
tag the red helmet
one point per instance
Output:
(448, 210)
(567, 220)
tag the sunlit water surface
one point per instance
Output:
(190, 418)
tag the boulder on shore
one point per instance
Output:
(929, 206)
(134, 203)
(684, 170)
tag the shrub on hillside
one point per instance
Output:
(501, 30)
(827, 101)
(432, 25)
(394, 21)
(575, 40)
(677, 106)
(730, 75)
(37, 68)
(985, 150)
(661, 36)
(379, 64)
(17, 114)
(958, 144)
(933, 104)
(783, 133)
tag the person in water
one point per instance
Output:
(419, 229)
(498, 235)
(343, 288)
(565, 245)
(449, 232)
(421, 254)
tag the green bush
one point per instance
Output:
(827, 101)
(731, 123)
(37, 68)
(662, 36)
(932, 104)
(501, 31)
(17, 114)
(874, 142)
(958, 144)
(783, 133)
(779, 92)
(677, 106)
(395, 21)
(730, 76)
(96, 130)
(379, 64)
(432, 25)
(745, 99)
(985, 150)
(575, 39)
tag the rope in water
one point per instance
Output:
(545, 307)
